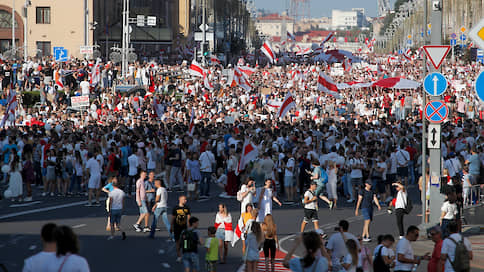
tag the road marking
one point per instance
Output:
(325, 226)
(166, 265)
(79, 226)
(24, 204)
(10, 215)
(32, 247)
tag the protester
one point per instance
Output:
(456, 251)
(310, 202)
(366, 198)
(160, 208)
(47, 257)
(212, 246)
(191, 238)
(384, 257)
(312, 261)
(116, 206)
(141, 198)
(266, 196)
(405, 258)
(337, 244)
(253, 243)
(179, 218)
(434, 262)
(400, 205)
(271, 242)
(68, 258)
(223, 224)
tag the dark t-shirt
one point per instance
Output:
(176, 163)
(181, 215)
(366, 202)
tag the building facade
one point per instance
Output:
(348, 19)
(44, 24)
(272, 25)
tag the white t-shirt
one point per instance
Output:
(401, 200)
(117, 196)
(151, 160)
(448, 247)
(94, 167)
(450, 210)
(163, 197)
(206, 161)
(247, 199)
(349, 260)
(312, 205)
(404, 247)
(84, 87)
(355, 172)
(337, 245)
(321, 265)
(133, 164)
(290, 163)
(73, 263)
(40, 262)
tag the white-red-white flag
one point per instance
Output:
(191, 127)
(347, 65)
(11, 107)
(215, 60)
(238, 231)
(158, 107)
(291, 36)
(196, 69)
(240, 79)
(246, 70)
(249, 153)
(327, 39)
(267, 50)
(288, 103)
(95, 74)
(241, 61)
(327, 85)
(206, 80)
(407, 54)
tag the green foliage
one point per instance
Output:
(30, 98)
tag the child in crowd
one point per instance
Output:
(211, 244)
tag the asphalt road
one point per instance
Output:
(20, 225)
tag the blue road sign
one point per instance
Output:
(480, 86)
(61, 55)
(428, 32)
(453, 36)
(400, 51)
(436, 111)
(463, 37)
(435, 84)
(453, 42)
(57, 48)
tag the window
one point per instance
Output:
(43, 15)
(6, 19)
(44, 48)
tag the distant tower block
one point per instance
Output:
(300, 9)
(383, 7)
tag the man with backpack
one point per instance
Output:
(190, 239)
(179, 218)
(310, 202)
(456, 251)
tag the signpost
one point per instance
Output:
(60, 55)
(436, 54)
(435, 84)
(480, 86)
(477, 34)
(433, 136)
(436, 111)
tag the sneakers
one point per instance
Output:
(331, 205)
(178, 259)
(97, 204)
(44, 194)
(136, 228)
(367, 239)
(350, 200)
(146, 229)
(28, 198)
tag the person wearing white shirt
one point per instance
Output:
(160, 208)
(94, 184)
(403, 158)
(68, 258)
(246, 194)
(289, 182)
(449, 245)
(133, 164)
(42, 260)
(406, 259)
(448, 213)
(310, 202)
(400, 205)
(337, 244)
(207, 161)
(84, 87)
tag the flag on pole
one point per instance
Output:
(11, 107)
(326, 84)
(327, 39)
(240, 78)
(239, 229)
(206, 82)
(196, 69)
(95, 74)
(249, 153)
(291, 36)
(287, 105)
(407, 54)
(267, 50)
(215, 60)
(191, 127)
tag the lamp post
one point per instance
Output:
(13, 28)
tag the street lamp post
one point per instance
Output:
(13, 27)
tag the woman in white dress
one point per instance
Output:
(15, 181)
(266, 197)
(331, 186)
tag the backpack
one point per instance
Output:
(189, 241)
(462, 259)
(379, 264)
(408, 206)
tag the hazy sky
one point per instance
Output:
(321, 8)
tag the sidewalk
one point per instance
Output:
(475, 235)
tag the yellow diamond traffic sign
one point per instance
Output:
(477, 34)
(463, 29)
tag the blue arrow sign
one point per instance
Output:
(436, 111)
(463, 37)
(435, 84)
(453, 42)
(480, 86)
(61, 55)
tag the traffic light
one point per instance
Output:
(206, 49)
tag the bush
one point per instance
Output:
(30, 98)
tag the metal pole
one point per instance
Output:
(25, 31)
(424, 128)
(86, 25)
(124, 45)
(204, 33)
(13, 28)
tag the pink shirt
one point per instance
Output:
(140, 191)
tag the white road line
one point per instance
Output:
(326, 226)
(10, 215)
(24, 204)
(79, 226)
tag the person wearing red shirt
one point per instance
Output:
(386, 104)
(111, 168)
(433, 265)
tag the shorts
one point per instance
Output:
(211, 266)
(310, 215)
(177, 232)
(289, 181)
(115, 217)
(190, 261)
(402, 172)
(94, 182)
(269, 248)
(367, 213)
(50, 175)
(220, 234)
(143, 209)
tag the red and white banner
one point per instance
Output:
(246, 70)
(267, 50)
(95, 74)
(157, 107)
(191, 127)
(291, 36)
(249, 153)
(206, 81)
(238, 231)
(327, 39)
(215, 60)
(396, 83)
(196, 69)
(11, 107)
(240, 79)
(288, 103)
(407, 54)
(225, 223)
(326, 84)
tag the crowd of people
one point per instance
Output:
(186, 133)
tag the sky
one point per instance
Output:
(320, 8)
